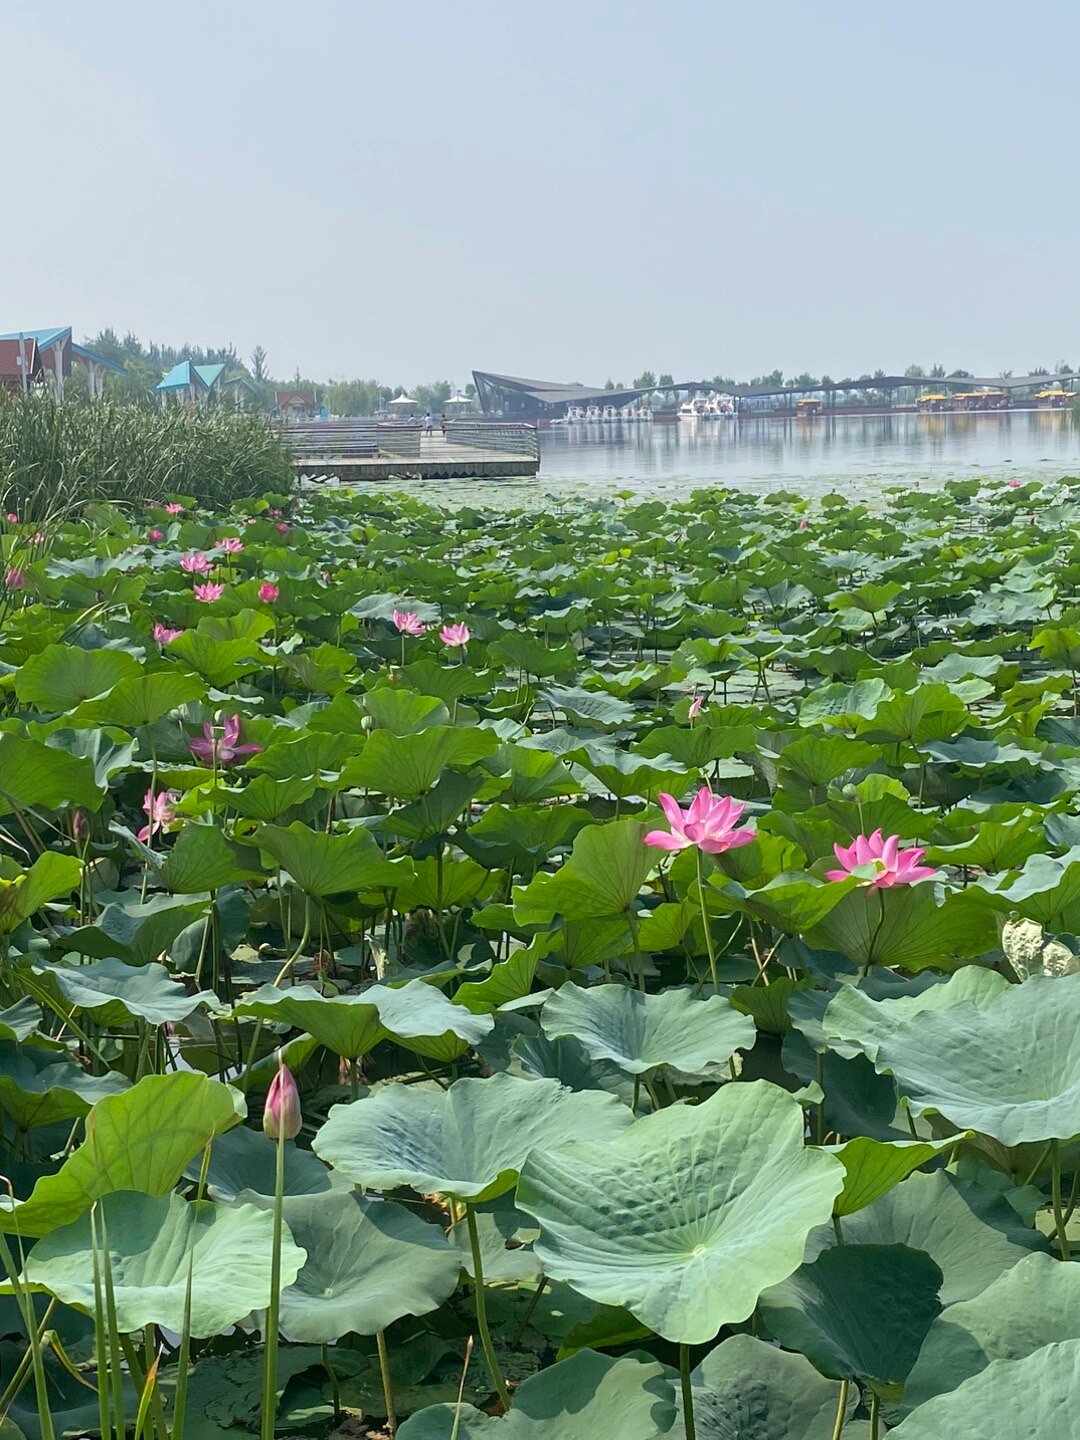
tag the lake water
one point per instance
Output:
(844, 452)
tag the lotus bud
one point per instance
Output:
(80, 827)
(849, 793)
(281, 1113)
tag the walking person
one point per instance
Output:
(429, 424)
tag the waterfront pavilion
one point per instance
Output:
(57, 352)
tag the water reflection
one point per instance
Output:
(810, 454)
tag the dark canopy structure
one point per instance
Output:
(541, 399)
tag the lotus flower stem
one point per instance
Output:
(481, 1311)
(705, 922)
(841, 1410)
(26, 1308)
(687, 1393)
(183, 1364)
(270, 1337)
(1055, 1190)
(875, 1417)
(387, 1383)
(335, 1384)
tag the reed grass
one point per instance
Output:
(53, 456)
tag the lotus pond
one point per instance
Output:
(600, 973)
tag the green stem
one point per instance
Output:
(481, 1310)
(387, 1384)
(183, 1364)
(335, 1386)
(269, 1400)
(841, 1410)
(520, 1331)
(875, 1417)
(1055, 1183)
(689, 1428)
(837, 1231)
(26, 1308)
(705, 923)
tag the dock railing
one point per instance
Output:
(508, 437)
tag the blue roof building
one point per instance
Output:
(188, 381)
(58, 352)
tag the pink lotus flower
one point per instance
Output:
(14, 579)
(174, 508)
(196, 564)
(251, 520)
(408, 622)
(225, 750)
(231, 546)
(156, 535)
(709, 824)
(39, 538)
(1014, 484)
(893, 865)
(209, 592)
(282, 1116)
(163, 634)
(803, 524)
(268, 592)
(697, 704)
(159, 809)
(13, 517)
(282, 528)
(455, 634)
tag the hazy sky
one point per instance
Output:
(559, 190)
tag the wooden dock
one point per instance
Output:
(363, 451)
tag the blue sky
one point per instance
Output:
(560, 190)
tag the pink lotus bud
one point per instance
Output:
(156, 535)
(268, 592)
(80, 827)
(281, 1113)
(14, 579)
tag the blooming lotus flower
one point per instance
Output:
(408, 622)
(195, 564)
(268, 592)
(14, 579)
(282, 528)
(174, 508)
(209, 592)
(163, 634)
(709, 824)
(231, 546)
(159, 809)
(1014, 484)
(281, 1114)
(225, 750)
(893, 865)
(455, 634)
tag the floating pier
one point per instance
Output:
(355, 450)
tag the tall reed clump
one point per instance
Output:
(53, 456)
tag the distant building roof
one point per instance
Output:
(295, 399)
(14, 355)
(210, 374)
(60, 335)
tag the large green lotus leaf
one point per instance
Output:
(60, 676)
(322, 864)
(791, 903)
(221, 662)
(521, 650)
(135, 931)
(588, 1397)
(438, 810)
(114, 993)
(245, 1160)
(202, 859)
(640, 1031)
(40, 1085)
(842, 705)
(1046, 888)
(406, 765)
(320, 755)
(369, 1262)
(972, 1233)
(535, 1056)
(109, 751)
(602, 877)
(625, 776)
(526, 776)
(522, 836)
(33, 773)
(906, 927)
(140, 700)
(404, 712)
(873, 1167)
(21, 1020)
(510, 980)
(855, 1022)
(140, 1140)
(24, 892)
(1010, 1070)
(444, 886)
(857, 1311)
(929, 712)
(470, 1140)
(351, 1025)
(730, 1193)
(154, 1242)
(745, 1389)
(1034, 1304)
(1025, 1399)
(265, 798)
(588, 709)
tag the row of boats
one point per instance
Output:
(711, 407)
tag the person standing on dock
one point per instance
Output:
(442, 425)
(429, 423)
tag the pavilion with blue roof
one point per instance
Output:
(188, 381)
(58, 351)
